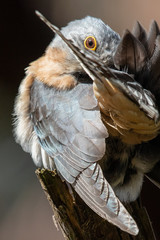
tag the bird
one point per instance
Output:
(89, 107)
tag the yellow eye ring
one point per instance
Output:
(90, 43)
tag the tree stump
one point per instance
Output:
(78, 222)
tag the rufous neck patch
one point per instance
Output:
(54, 69)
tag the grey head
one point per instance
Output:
(77, 31)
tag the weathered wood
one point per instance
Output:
(78, 222)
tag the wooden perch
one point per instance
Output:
(78, 222)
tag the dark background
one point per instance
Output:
(24, 211)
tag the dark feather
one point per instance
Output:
(130, 54)
(153, 82)
(155, 61)
(152, 35)
(140, 33)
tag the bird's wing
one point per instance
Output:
(98, 194)
(68, 126)
(70, 130)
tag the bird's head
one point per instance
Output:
(90, 34)
(65, 62)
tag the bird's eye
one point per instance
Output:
(90, 43)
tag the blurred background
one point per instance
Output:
(24, 211)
